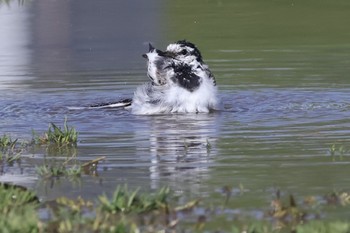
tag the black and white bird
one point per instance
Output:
(180, 82)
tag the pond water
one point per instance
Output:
(282, 68)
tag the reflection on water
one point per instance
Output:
(181, 147)
(14, 52)
(88, 36)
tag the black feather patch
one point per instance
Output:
(121, 103)
(185, 77)
(195, 52)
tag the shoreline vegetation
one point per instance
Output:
(135, 211)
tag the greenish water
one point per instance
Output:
(283, 73)
(274, 43)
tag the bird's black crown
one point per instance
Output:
(195, 52)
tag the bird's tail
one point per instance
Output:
(119, 104)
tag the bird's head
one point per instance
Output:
(181, 63)
(158, 61)
(184, 51)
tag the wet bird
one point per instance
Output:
(180, 82)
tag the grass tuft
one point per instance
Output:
(18, 209)
(133, 211)
(8, 149)
(338, 152)
(7, 143)
(126, 201)
(59, 136)
(46, 171)
(12, 196)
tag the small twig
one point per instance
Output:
(87, 164)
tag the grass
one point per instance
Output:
(337, 152)
(66, 136)
(46, 171)
(12, 196)
(128, 210)
(18, 209)
(9, 151)
(7, 142)
(60, 141)
(324, 227)
(68, 168)
(57, 140)
(125, 201)
(134, 211)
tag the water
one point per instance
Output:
(282, 69)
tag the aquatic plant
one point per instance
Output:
(9, 157)
(134, 211)
(324, 227)
(208, 146)
(69, 168)
(18, 209)
(79, 215)
(78, 205)
(51, 171)
(287, 213)
(338, 198)
(7, 142)
(8, 149)
(12, 196)
(338, 151)
(127, 201)
(58, 136)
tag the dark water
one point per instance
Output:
(282, 69)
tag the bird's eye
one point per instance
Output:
(183, 52)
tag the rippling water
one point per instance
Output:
(282, 104)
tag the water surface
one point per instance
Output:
(282, 69)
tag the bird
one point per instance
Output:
(180, 82)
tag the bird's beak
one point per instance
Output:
(150, 47)
(159, 52)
